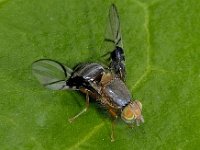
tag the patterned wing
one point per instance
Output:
(113, 43)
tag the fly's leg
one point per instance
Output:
(114, 117)
(131, 126)
(84, 110)
(112, 130)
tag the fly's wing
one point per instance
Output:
(51, 74)
(113, 43)
(113, 31)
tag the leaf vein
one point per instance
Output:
(87, 137)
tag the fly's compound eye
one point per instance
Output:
(132, 112)
(127, 114)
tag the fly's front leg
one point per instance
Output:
(114, 117)
(112, 130)
(84, 110)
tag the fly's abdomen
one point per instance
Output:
(118, 92)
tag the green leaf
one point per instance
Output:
(161, 41)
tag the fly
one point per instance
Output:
(104, 84)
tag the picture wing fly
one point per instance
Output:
(113, 42)
(51, 74)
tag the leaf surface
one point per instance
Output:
(161, 41)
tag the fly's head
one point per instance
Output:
(133, 113)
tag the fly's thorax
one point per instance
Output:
(117, 91)
(132, 113)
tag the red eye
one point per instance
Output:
(128, 114)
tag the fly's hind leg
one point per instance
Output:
(84, 110)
